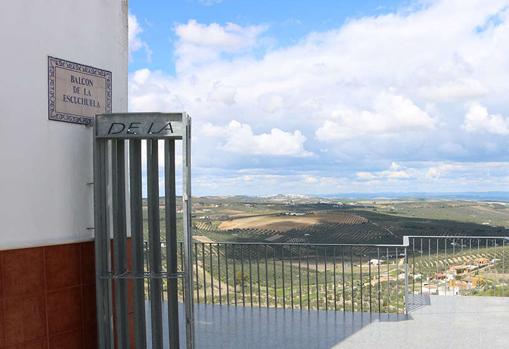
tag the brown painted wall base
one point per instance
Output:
(47, 297)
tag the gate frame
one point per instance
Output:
(103, 235)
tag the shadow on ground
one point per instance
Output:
(417, 301)
(244, 327)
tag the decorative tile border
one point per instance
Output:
(54, 114)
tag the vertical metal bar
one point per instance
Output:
(181, 245)
(351, 274)
(379, 281)
(343, 276)
(470, 250)
(413, 265)
(211, 274)
(446, 265)
(102, 255)
(420, 268)
(219, 274)
(135, 183)
(397, 281)
(300, 277)
(275, 272)
(453, 256)
(196, 272)
(406, 282)
(203, 259)
(388, 283)
(227, 274)
(242, 275)
(188, 232)
(119, 240)
(429, 249)
(325, 268)
(503, 256)
(360, 278)
(291, 276)
(316, 279)
(266, 279)
(258, 277)
(283, 275)
(370, 286)
(438, 260)
(334, 278)
(154, 243)
(234, 275)
(170, 203)
(494, 255)
(250, 278)
(307, 269)
(429, 258)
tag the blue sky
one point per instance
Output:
(322, 97)
(288, 21)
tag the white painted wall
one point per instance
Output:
(45, 165)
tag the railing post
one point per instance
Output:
(188, 233)
(406, 282)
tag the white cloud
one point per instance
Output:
(465, 88)
(222, 93)
(395, 172)
(364, 93)
(135, 41)
(366, 176)
(310, 179)
(200, 43)
(210, 2)
(455, 177)
(478, 119)
(239, 138)
(270, 102)
(391, 114)
(442, 169)
(475, 170)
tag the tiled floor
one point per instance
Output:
(448, 323)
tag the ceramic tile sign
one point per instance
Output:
(77, 92)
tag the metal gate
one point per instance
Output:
(135, 276)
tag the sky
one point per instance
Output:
(329, 97)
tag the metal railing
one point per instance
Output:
(458, 265)
(346, 277)
(339, 277)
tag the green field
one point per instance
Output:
(271, 275)
(335, 278)
(386, 222)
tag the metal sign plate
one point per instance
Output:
(139, 125)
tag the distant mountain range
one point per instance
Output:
(476, 196)
(481, 196)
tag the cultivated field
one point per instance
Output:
(341, 279)
(485, 213)
(289, 221)
(243, 219)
